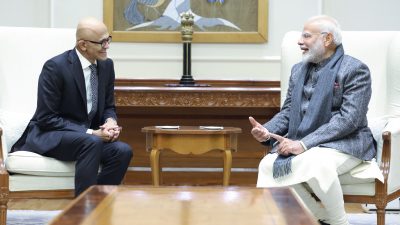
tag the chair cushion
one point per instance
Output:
(24, 162)
(348, 179)
(13, 125)
(359, 189)
(21, 182)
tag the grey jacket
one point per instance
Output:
(347, 130)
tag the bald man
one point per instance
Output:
(75, 117)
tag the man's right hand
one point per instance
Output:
(259, 132)
(103, 134)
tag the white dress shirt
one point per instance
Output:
(86, 73)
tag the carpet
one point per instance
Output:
(32, 217)
(370, 219)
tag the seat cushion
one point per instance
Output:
(24, 162)
(347, 178)
(359, 189)
(13, 125)
(21, 182)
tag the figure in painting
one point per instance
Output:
(170, 18)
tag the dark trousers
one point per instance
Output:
(90, 152)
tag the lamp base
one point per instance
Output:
(187, 85)
(187, 79)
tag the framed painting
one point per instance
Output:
(215, 21)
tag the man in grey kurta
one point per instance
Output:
(323, 123)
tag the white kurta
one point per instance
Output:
(323, 164)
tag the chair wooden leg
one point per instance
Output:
(3, 213)
(4, 196)
(380, 216)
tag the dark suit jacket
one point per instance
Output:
(62, 104)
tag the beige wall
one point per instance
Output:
(209, 61)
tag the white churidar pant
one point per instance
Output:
(319, 169)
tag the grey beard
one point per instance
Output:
(312, 57)
(315, 54)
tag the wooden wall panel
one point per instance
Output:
(143, 103)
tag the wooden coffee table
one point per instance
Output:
(127, 205)
(190, 140)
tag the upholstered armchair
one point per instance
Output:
(380, 50)
(26, 174)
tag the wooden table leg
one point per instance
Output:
(227, 167)
(155, 166)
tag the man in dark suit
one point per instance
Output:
(323, 121)
(75, 118)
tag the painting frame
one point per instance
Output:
(258, 36)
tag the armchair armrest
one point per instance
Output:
(386, 153)
(390, 164)
(4, 185)
(3, 170)
(3, 179)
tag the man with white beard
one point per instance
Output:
(321, 131)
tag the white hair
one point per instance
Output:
(329, 25)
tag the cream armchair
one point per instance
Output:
(26, 174)
(380, 50)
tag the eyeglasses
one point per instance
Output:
(309, 35)
(103, 42)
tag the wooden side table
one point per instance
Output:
(190, 140)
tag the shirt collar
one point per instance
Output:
(84, 62)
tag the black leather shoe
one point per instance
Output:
(322, 222)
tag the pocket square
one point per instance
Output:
(336, 85)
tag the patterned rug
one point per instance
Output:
(370, 219)
(32, 217)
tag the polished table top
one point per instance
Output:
(191, 130)
(184, 205)
(191, 139)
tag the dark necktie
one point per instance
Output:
(94, 89)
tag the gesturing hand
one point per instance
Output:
(287, 146)
(259, 132)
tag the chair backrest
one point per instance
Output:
(380, 50)
(393, 73)
(24, 52)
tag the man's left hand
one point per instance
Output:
(287, 146)
(111, 128)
